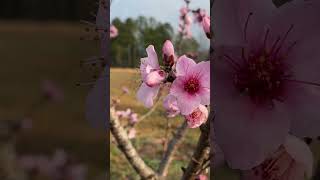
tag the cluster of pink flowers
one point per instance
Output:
(132, 118)
(266, 85)
(189, 84)
(59, 166)
(200, 16)
(128, 114)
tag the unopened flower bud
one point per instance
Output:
(168, 53)
(206, 26)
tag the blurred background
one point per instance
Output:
(43, 131)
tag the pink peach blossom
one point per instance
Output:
(152, 76)
(184, 11)
(293, 161)
(132, 133)
(113, 31)
(192, 84)
(171, 105)
(133, 118)
(266, 77)
(197, 117)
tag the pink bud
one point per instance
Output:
(187, 20)
(155, 78)
(201, 177)
(197, 117)
(183, 11)
(206, 26)
(168, 53)
(113, 31)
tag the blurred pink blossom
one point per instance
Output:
(125, 90)
(197, 117)
(51, 91)
(264, 86)
(132, 133)
(184, 11)
(192, 84)
(206, 26)
(171, 105)
(133, 118)
(113, 31)
(150, 72)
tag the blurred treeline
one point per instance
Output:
(136, 34)
(47, 9)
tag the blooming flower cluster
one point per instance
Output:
(266, 85)
(189, 84)
(200, 16)
(59, 166)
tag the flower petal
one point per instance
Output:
(202, 70)
(147, 94)
(152, 57)
(226, 27)
(184, 64)
(187, 103)
(300, 152)
(304, 111)
(243, 129)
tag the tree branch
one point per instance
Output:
(200, 155)
(128, 150)
(172, 146)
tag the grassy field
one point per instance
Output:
(31, 52)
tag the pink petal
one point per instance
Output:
(295, 13)
(204, 95)
(187, 103)
(184, 64)
(300, 152)
(147, 94)
(304, 59)
(262, 13)
(152, 57)
(155, 78)
(227, 27)
(202, 70)
(303, 105)
(242, 129)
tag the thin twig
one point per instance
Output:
(172, 146)
(200, 155)
(128, 150)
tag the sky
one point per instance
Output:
(161, 10)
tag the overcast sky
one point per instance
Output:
(162, 10)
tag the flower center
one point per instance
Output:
(192, 85)
(262, 78)
(196, 114)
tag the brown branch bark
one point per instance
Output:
(201, 153)
(172, 147)
(128, 150)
